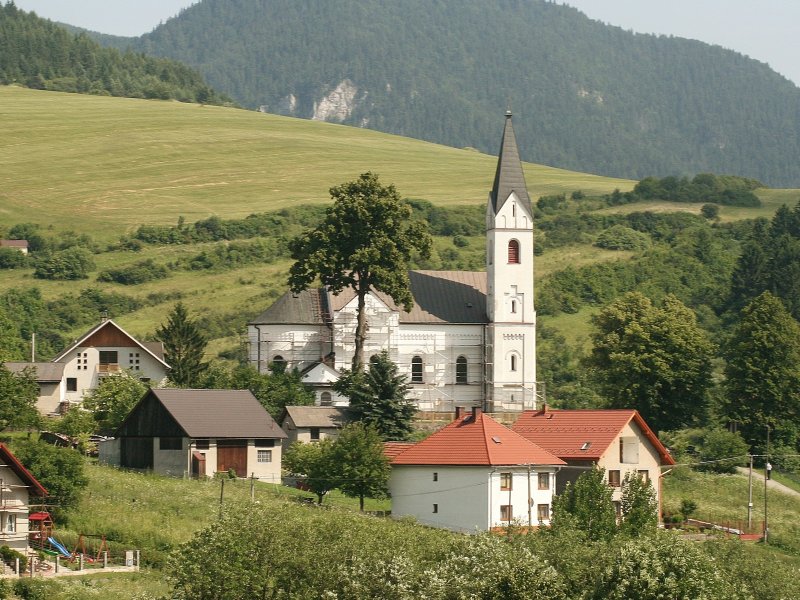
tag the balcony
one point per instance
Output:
(108, 368)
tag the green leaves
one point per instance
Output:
(184, 346)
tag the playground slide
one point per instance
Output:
(55, 544)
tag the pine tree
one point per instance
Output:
(184, 345)
(378, 398)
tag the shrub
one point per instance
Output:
(9, 555)
(619, 237)
(12, 259)
(140, 272)
(71, 264)
(727, 451)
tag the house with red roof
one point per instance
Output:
(472, 475)
(17, 487)
(618, 441)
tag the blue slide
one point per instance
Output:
(55, 544)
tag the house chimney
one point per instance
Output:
(459, 412)
(476, 411)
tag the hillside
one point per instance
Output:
(591, 97)
(40, 54)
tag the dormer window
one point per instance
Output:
(513, 252)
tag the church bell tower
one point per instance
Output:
(511, 332)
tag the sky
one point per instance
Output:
(766, 30)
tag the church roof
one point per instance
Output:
(439, 297)
(509, 176)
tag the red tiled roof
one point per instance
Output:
(582, 434)
(476, 440)
(392, 449)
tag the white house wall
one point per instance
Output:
(13, 504)
(50, 397)
(467, 499)
(86, 368)
(648, 460)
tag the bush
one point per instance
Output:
(71, 264)
(9, 555)
(140, 272)
(729, 449)
(12, 259)
(619, 237)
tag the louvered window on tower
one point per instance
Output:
(513, 252)
(416, 369)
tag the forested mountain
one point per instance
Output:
(42, 55)
(588, 96)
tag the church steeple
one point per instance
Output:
(509, 176)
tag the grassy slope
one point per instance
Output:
(105, 165)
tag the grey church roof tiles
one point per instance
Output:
(439, 297)
(509, 176)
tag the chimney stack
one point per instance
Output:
(476, 411)
(459, 412)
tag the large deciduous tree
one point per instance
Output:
(654, 359)
(762, 376)
(18, 395)
(184, 345)
(112, 400)
(586, 505)
(378, 398)
(313, 462)
(364, 243)
(638, 506)
(361, 466)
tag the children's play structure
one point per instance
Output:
(41, 537)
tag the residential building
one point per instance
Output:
(474, 474)
(469, 340)
(618, 441)
(20, 245)
(17, 488)
(312, 423)
(51, 381)
(198, 433)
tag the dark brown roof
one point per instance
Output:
(315, 416)
(109, 324)
(45, 372)
(509, 176)
(218, 413)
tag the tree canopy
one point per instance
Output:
(18, 395)
(113, 399)
(184, 346)
(654, 359)
(364, 243)
(585, 505)
(378, 398)
(362, 467)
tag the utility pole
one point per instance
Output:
(530, 499)
(221, 494)
(766, 462)
(750, 496)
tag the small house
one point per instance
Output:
(18, 245)
(312, 423)
(50, 379)
(474, 474)
(17, 487)
(617, 440)
(198, 433)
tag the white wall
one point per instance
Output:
(648, 460)
(50, 397)
(14, 506)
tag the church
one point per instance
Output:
(469, 340)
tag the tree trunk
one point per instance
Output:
(361, 331)
(361, 503)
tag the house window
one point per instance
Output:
(265, 456)
(108, 357)
(72, 384)
(435, 508)
(435, 476)
(506, 480)
(645, 475)
(513, 362)
(618, 508)
(201, 444)
(513, 252)
(543, 512)
(461, 369)
(265, 443)
(506, 514)
(613, 478)
(416, 369)
(544, 481)
(11, 523)
(170, 443)
(325, 399)
(314, 433)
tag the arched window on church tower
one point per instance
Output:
(513, 252)
(416, 369)
(513, 362)
(461, 369)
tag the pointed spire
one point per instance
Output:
(509, 176)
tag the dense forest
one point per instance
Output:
(590, 97)
(42, 55)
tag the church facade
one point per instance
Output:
(469, 340)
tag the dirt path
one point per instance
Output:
(771, 484)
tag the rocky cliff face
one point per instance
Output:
(338, 105)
